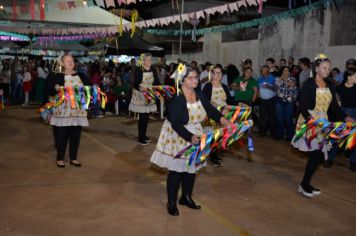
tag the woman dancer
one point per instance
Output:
(67, 122)
(219, 95)
(316, 100)
(144, 79)
(184, 114)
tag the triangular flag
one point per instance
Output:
(71, 4)
(241, 3)
(222, 9)
(251, 2)
(62, 6)
(185, 17)
(233, 7)
(110, 3)
(200, 14)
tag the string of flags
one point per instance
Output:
(162, 21)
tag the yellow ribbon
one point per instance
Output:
(217, 135)
(134, 16)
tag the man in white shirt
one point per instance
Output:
(204, 76)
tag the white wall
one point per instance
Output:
(303, 36)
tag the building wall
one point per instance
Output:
(303, 36)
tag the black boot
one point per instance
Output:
(328, 163)
(187, 200)
(172, 208)
(353, 167)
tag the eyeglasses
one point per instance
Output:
(192, 77)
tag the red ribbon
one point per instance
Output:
(32, 9)
(225, 137)
(14, 10)
(42, 10)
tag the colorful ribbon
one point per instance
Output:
(219, 139)
(2, 100)
(341, 133)
(160, 92)
(233, 114)
(77, 97)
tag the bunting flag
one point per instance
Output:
(111, 30)
(110, 3)
(76, 97)
(219, 139)
(6, 36)
(71, 4)
(161, 92)
(343, 134)
(247, 24)
(62, 6)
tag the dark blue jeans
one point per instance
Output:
(284, 118)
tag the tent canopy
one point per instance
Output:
(132, 46)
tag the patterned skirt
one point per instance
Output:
(170, 144)
(140, 105)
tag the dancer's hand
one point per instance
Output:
(142, 89)
(57, 87)
(349, 119)
(224, 111)
(195, 139)
(225, 122)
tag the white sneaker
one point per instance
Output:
(315, 191)
(306, 192)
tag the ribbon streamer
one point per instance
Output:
(233, 113)
(219, 139)
(341, 133)
(160, 92)
(42, 10)
(2, 100)
(32, 9)
(76, 97)
(134, 16)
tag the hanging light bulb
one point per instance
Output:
(1, 7)
(84, 2)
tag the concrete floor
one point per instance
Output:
(118, 192)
